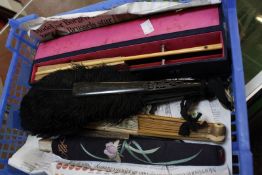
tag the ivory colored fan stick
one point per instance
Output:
(44, 68)
(57, 66)
(52, 68)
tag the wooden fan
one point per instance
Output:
(159, 126)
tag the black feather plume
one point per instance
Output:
(50, 109)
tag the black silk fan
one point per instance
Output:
(65, 101)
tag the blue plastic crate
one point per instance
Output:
(16, 85)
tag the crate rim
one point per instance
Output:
(230, 13)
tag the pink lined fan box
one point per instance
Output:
(175, 30)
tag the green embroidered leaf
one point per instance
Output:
(96, 157)
(174, 162)
(140, 150)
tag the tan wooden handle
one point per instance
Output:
(168, 127)
(52, 68)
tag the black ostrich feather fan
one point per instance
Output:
(50, 109)
(53, 107)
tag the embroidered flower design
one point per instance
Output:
(111, 151)
(133, 148)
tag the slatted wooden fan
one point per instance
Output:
(159, 126)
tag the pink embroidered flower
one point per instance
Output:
(111, 150)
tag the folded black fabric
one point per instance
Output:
(139, 150)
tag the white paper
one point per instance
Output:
(29, 158)
(101, 170)
(51, 27)
(215, 1)
(147, 27)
